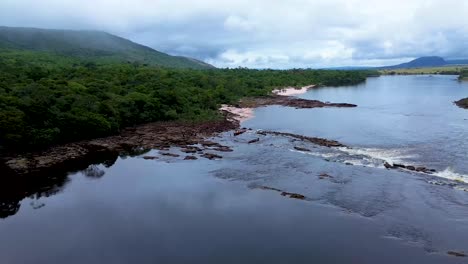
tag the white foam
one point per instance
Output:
(373, 157)
(326, 155)
(389, 155)
(452, 175)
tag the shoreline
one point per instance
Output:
(159, 135)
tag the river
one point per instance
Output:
(171, 210)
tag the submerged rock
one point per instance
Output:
(324, 175)
(211, 156)
(190, 158)
(315, 140)
(301, 148)
(239, 132)
(293, 195)
(150, 157)
(254, 140)
(283, 193)
(388, 166)
(456, 253)
(190, 149)
(207, 143)
(223, 149)
(170, 154)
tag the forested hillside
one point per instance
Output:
(100, 47)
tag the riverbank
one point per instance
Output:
(159, 135)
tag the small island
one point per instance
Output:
(463, 103)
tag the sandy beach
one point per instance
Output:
(240, 114)
(290, 91)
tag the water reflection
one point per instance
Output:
(14, 188)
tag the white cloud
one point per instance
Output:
(266, 33)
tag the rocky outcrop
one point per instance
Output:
(408, 167)
(150, 157)
(211, 156)
(315, 140)
(239, 132)
(301, 149)
(133, 141)
(283, 193)
(289, 101)
(253, 140)
(169, 154)
(325, 176)
(456, 253)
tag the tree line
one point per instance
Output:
(48, 99)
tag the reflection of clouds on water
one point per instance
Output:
(93, 171)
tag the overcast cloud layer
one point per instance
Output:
(266, 33)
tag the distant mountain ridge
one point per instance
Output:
(424, 62)
(91, 45)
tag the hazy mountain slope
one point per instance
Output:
(90, 45)
(430, 61)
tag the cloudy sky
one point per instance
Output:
(266, 33)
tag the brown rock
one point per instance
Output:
(456, 253)
(211, 156)
(269, 188)
(254, 140)
(170, 154)
(150, 157)
(293, 195)
(239, 132)
(288, 101)
(223, 149)
(315, 140)
(410, 168)
(190, 149)
(283, 193)
(421, 169)
(301, 149)
(388, 166)
(190, 158)
(207, 143)
(324, 175)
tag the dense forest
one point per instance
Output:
(48, 98)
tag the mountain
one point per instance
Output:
(91, 45)
(430, 61)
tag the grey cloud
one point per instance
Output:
(265, 33)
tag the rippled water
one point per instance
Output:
(409, 119)
(214, 211)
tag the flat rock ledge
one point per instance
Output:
(289, 101)
(131, 141)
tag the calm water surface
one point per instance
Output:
(176, 211)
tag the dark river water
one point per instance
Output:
(211, 211)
